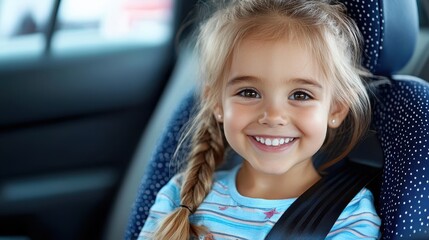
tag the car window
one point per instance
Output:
(423, 6)
(81, 25)
(22, 26)
(418, 63)
(111, 23)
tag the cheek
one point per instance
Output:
(313, 122)
(236, 118)
(316, 118)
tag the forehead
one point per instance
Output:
(280, 58)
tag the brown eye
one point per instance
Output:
(300, 96)
(249, 93)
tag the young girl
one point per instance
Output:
(282, 81)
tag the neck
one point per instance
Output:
(292, 184)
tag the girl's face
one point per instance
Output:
(275, 106)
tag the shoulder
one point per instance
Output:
(358, 220)
(172, 188)
(168, 197)
(171, 191)
(362, 203)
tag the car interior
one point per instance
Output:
(87, 134)
(388, 47)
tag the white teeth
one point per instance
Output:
(274, 141)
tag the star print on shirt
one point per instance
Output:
(270, 213)
(223, 208)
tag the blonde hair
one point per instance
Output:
(333, 39)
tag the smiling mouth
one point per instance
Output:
(274, 142)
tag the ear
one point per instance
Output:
(337, 114)
(218, 113)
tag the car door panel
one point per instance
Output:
(68, 129)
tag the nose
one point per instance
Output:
(273, 115)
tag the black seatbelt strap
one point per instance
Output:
(314, 213)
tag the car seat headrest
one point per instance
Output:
(390, 29)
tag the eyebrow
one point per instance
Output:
(240, 79)
(306, 81)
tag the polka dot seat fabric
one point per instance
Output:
(161, 167)
(400, 117)
(401, 120)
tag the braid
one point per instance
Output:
(206, 154)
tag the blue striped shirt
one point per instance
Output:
(229, 215)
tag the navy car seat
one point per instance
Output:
(400, 116)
